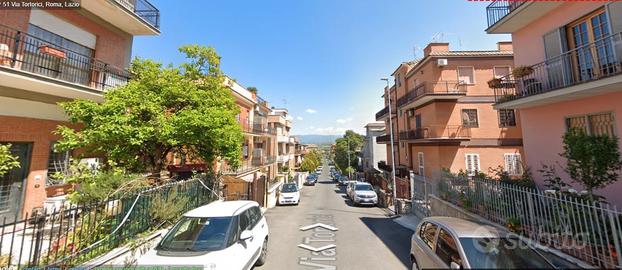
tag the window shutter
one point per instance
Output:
(476, 163)
(554, 45)
(469, 164)
(614, 12)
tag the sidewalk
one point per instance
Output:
(409, 221)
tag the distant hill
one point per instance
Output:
(318, 139)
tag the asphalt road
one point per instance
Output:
(365, 237)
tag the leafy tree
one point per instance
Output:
(347, 146)
(592, 160)
(252, 89)
(311, 161)
(7, 160)
(162, 110)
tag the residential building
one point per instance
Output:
(49, 56)
(258, 161)
(373, 152)
(299, 152)
(574, 77)
(443, 116)
(279, 120)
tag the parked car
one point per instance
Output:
(453, 243)
(350, 187)
(220, 235)
(343, 180)
(311, 180)
(290, 194)
(364, 194)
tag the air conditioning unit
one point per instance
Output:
(411, 113)
(441, 62)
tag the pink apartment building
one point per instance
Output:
(48, 56)
(443, 115)
(574, 49)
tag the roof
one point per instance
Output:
(220, 209)
(472, 53)
(464, 228)
(375, 124)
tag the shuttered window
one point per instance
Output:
(466, 75)
(513, 164)
(472, 164)
(469, 118)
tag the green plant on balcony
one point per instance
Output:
(495, 83)
(522, 71)
(504, 98)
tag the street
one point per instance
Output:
(365, 237)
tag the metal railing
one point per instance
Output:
(593, 61)
(25, 52)
(384, 166)
(498, 9)
(246, 165)
(432, 88)
(382, 112)
(383, 139)
(437, 132)
(72, 235)
(584, 229)
(263, 160)
(143, 9)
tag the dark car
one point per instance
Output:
(343, 180)
(311, 180)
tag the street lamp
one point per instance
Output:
(392, 151)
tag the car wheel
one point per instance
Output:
(263, 255)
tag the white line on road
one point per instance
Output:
(328, 227)
(314, 249)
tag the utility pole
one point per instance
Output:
(392, 150)
(348, 168)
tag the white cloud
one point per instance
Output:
(299, 118)
(311, 111)
(329, 131)
(343, 121)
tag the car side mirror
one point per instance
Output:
(454, 265)
(246, 235)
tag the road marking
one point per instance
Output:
(314, 249)
(328, 227)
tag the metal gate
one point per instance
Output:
(420, 190)
(12, 183)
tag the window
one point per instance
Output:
(593, 124)
(507, 118)
(421, 163)
(245, 221)
(500, 72)
(57, 162)
(592, 61)
(446, 248)
(255, 216)
(466, 75)
(472, 164)
(469, 118)
(513, 164)
(427, 233)
(398, 80)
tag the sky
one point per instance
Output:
(320, 59)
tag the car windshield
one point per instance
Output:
(197, 234)
(289, 188)
(363, 188)
(508, 253)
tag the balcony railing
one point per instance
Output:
(383, 139)
(24, 52)
(593, 61)
(246, 165)
(384, 112)
(498, 9)
(143, 9)
(432, 88)
(256, 128)
(263, 160)
(437, 132)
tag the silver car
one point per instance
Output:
(453, 243)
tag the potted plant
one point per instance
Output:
(495, 83)
(522, 71)
(58, 189)
(46, 49)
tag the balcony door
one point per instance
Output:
(12, 183)
(591, 47)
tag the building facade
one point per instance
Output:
(442, 114)
(573, 60)
(50, 56)
(285, 147)
(372, 151)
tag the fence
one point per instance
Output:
(71, 236)
(587, 230)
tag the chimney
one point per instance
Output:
(435, 47)
(504, 46)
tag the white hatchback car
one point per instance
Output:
(220, 235)
(364, 194)
(290, 194)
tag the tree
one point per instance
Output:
(592, 160)
(311, 161)
(347, 146)
(252, 89)
(7, 160)
(162, 110)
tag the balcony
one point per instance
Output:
(263, 160)
(30, 63)
(246, 166)
(254, 128)
(385, 139)
(507, 16)
(282, 139)
(586, 71)
(428, 91)
(283, 158)
(437, 133)
(136, 17)
(384, 114)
